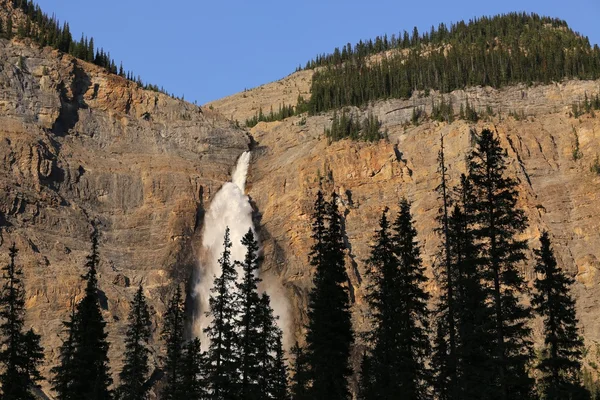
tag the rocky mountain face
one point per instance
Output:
(293, 159)
(78, 145)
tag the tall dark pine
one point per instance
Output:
(222, 356)
(330, 333)
(64, 373)
(88, 366)
(560, 366)
(445, 341)
(412, 348)
(135, 369)
(172, 335)
(266, 347)
(248, 331)
(192, 372)
(300, 374)
(279, 371)
(498, 222)
(475, 372)
(381, 368)
(21, 353)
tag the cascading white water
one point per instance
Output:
(229, 208)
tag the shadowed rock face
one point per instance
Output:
(77, 145)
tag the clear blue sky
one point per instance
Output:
(208, 50)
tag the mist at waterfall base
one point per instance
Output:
(231, 208)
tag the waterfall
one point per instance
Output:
(229, 208)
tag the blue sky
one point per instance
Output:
(208, 50)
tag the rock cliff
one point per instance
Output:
(558, 191)
(78, 145)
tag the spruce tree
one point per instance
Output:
(21, 353)
(248, 331)
(222, 356)
(411, 325)
(475, 372)
(91, 348)
(445, 366)
(330, 333)
(265, 346)
(279, 372)
(560, 366)
(64, 373)
(172, 335)
(135, 369)
(300, 374)
(192, 372)
(84, 371)
(497, 222)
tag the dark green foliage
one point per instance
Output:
(249, 330)
(172, 335)
(84, 372)
(135, 369)
(300, 375)
(330, 333)
(560, 366)
(222, 358)
(469, 113)
(474, 359)
(351, 127)
(488, 51)
(444, 346)
(279, 372)
(284, 112)
(192, 386)
(399, 311)
(269, 380)
(21, 353)
(497, 221)
(64, 373)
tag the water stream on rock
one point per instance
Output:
(230, 208)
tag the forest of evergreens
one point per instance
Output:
(497, 51)
(472, 340)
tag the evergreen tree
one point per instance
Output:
(300, 375)
(445, 340)
(64, 373)
(266, 343)
(90, 354)
(560, 366)
(135, 369)
(248, 331)
(330, 333)
(192, 372)
(172, 334)
(222, 357)
(412, 324)
(475, 372)
(21, 353)
(497, 222)
(279, 373)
